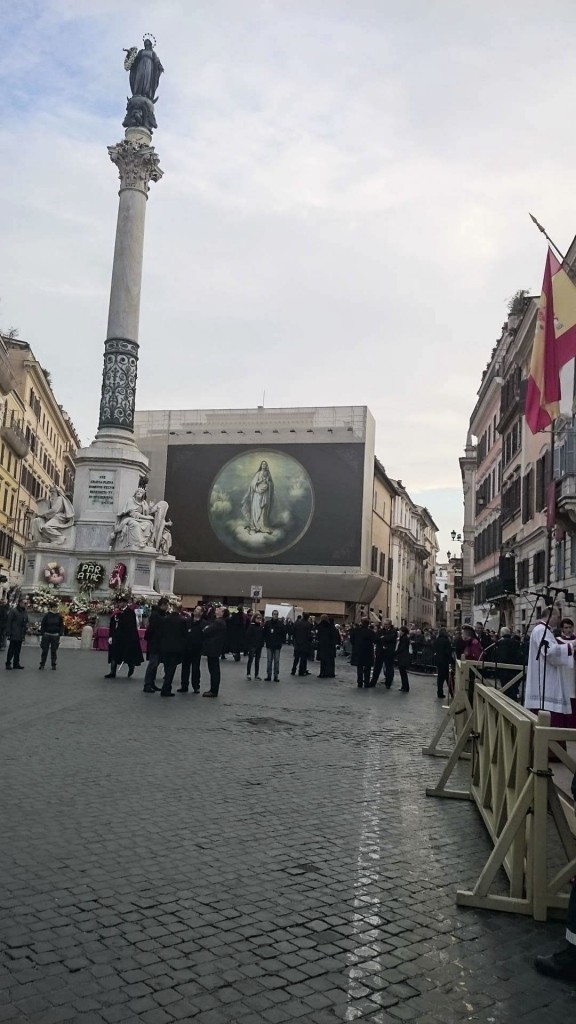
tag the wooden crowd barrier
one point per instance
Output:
(456, 725)
(529, 819)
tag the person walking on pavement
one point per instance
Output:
(173, 630)
(303, 645)
(274, 636)
(123, 642)
(404, 658)
(362, 638)
(16, 627)
(386, 640)
(444, 656)
(192, 652)
(51, 629)
(254, 643)
(214, 642)
(153, 644)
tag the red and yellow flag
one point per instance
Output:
(554, 344)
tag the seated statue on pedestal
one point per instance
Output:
(54, 519)
(140, 524)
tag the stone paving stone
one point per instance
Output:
(205, 863)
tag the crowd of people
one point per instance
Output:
(179, 638)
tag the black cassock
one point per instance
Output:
(125, 646)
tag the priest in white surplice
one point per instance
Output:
(548, 677)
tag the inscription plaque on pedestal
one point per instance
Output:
(101, 484)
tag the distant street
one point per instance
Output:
(267, 857)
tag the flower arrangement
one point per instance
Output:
(41, 598)
(117, 576)
(54, 573)
(73, 625)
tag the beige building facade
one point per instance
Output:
(38, 443)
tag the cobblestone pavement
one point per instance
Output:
(262, 858)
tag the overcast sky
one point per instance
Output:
(344, 210)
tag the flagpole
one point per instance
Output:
(560, 255)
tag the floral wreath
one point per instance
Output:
(54, 573)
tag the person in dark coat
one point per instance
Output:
(386, 639)
(3, 621)
(254, 644)
(328, 638)
(153, 644)
(403, 657)
(236, 630)
(173, 630)
(123, 642)
(274, 637)
(192, 656)
(507, 651)
(362, 638)
(51, 629)
(303, 633)
(214, 642)
(444, 657)
(16, 627)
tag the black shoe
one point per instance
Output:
(130, 672)
(111, 675)
(258, 677)
(208, 693)
(440, 696)
(293, 673)
(276, 680)
(561, 965)
(166, 693)
(267, 679)
(360, 686)
(182, 689)
(53, 667)
(404, 689)
(150, 689)
(40, 666)
(18, 666)
(195, 689)
(9, 668)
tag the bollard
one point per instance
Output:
(86, 638)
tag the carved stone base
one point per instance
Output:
(147, 574)
(107, 474)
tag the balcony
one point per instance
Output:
(15, 437)
(566, 502)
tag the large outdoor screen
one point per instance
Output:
(293, 504)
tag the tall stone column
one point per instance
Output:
(138, 165)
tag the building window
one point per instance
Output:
(382, 565)
(11, 505)
(539, 566)
(528, 496)
(374, 560)
(390, 569)
(560, 560)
